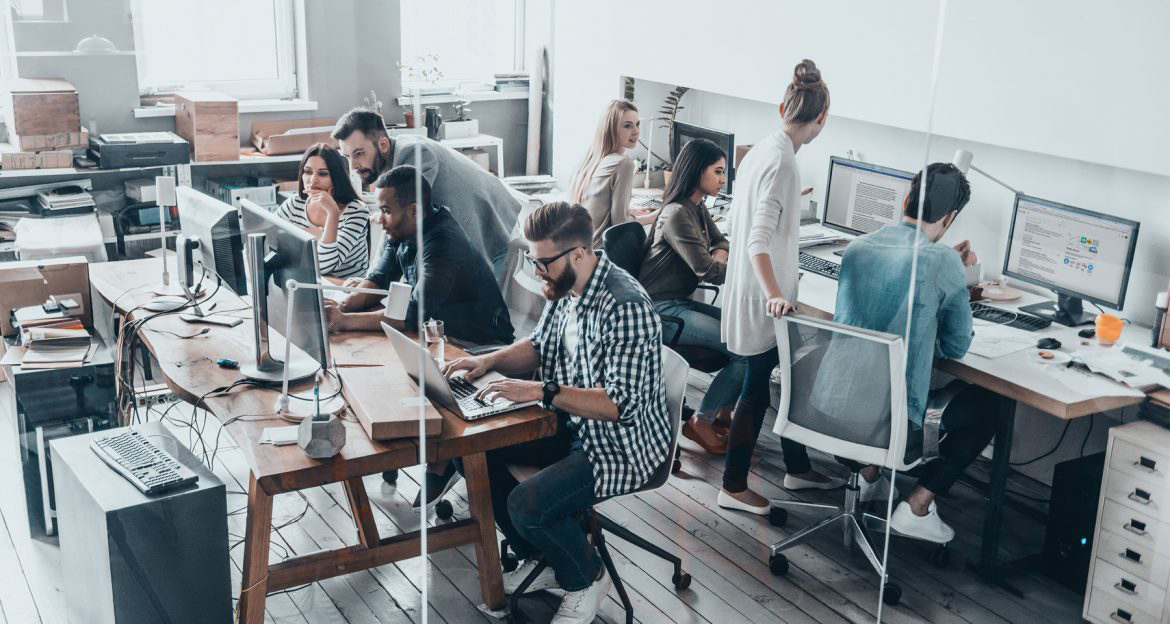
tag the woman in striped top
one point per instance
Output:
(327, 207)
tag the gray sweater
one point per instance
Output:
(478, 200)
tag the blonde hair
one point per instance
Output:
(605, 142)
(807, 96)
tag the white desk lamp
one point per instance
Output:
(170, 296)
(962, 160)
(646, 191)
(309, 409)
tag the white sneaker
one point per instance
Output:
(796, 483)
(929, 527)
(580, 607)
(878, 490)
(545, 580)
(728, 501)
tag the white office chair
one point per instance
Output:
(843, 391)
(674, 376)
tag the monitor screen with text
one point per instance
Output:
(1069, 250)
(863, 198)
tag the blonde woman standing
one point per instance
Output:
(762, 281)
(604, 180)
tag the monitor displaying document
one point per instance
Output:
(862, 197)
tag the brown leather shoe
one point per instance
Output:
(706, 436)
(723, 419)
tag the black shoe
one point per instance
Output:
(437, 485)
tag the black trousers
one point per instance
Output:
(969, 424)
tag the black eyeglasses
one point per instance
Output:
(542, 264)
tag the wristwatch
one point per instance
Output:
(551, 390)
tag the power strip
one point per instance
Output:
(158, 394)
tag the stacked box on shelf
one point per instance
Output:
(260, 190)
(44, 122)
(209, 120)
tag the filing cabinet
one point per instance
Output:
(1130, 570)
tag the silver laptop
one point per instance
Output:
(455, 393)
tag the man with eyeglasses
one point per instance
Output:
(598, 347)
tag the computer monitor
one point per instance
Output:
(216, 226)
(685, 132)
(863, 198)
(1079, 254)
(277, 252)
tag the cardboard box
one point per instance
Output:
(39, 106)
(210, 121)
(52, 159)
(292, 137)
(78, 139)
(385, 404)
(478, 156)
(23, 284)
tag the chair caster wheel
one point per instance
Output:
(681, 581)
(893, 594)
(778, 564)
(444, 510)
(509, 563)
(777, 516)
(390, 476)
(676, 467)
(940, 556)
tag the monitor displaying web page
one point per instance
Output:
(863, 198)
(1075, 252)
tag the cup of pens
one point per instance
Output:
(435, 333)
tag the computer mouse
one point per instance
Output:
(1087, 332)
(1048, 343)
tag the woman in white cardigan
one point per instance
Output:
(762, 282)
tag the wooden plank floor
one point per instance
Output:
(726, 553)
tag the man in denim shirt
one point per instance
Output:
(873, 294)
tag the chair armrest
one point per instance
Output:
(711, 287)
(936, 405)
(666, 318)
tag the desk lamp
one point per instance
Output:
(170, 296)
(301, 410)
(962, 161)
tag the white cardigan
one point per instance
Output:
(765, 218)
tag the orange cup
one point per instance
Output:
(1108, 329)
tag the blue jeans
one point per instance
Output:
(747, 421)
(701, 329)
(537, 516)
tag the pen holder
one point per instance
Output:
(1108, 329)
(321, 439)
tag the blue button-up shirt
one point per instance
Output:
(874, 291)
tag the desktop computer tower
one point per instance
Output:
(1072, 519)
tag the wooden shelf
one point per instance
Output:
(243, 160)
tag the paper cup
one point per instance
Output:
(398, 301)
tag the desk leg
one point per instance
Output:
(257, 533)
(1000, 467)
(487, 552)
(363, 516)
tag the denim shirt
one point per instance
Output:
(873, 293)
(459, 289)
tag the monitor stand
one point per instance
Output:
(1065, 310)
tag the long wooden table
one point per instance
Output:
(189, 369)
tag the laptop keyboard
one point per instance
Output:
(465, 394)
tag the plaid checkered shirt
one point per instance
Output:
(619, 348)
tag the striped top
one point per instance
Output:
(349, 255)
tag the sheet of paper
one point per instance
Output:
(1090, 384)
(993, 341)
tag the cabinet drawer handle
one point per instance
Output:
(1126, 587)
(1131, 555)
(1137, 527)
(1121, 615)
(1139, 495)
(1147, 464)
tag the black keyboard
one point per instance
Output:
(465, 394)
(1018, 320)
(651, 203)
(149, 468)
(820, 266)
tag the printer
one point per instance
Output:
(139, 149)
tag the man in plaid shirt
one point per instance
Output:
(598, 349)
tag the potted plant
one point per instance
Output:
(669, 111)
(463, 125)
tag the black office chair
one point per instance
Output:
(625, 245)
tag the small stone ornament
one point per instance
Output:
(321, 436)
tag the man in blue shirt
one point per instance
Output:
(873, 294)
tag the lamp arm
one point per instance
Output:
(995, 179)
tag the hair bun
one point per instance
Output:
(806, 75)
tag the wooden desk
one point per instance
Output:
(1015, 377)
(189, 369)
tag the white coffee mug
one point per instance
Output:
(973, 273)
(398, 300)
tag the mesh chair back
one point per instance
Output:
(842, 390)
(674, 376)
(624, 244)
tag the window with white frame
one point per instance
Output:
(467, 41)
(244, 48)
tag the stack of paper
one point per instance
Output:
(54, 343)
(992, 341)
(66, 198)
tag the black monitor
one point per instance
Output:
(861, 198)
(216, 226)
(1078, 253)
(685, 132)
(277, 252)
